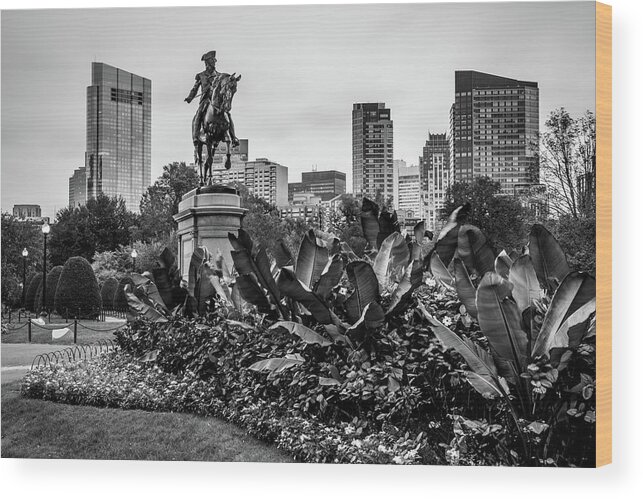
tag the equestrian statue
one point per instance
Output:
(212, 123)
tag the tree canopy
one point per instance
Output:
(102, 224)
(161, 201)
(501, 218)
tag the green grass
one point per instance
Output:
(88, 331)
(40, 429)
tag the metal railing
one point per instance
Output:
(73, 354)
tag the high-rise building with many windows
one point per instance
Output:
(372, 150)
(268, 180)
(78, 188)
(494, 130)
(407, 190)
(118, 151)
(326, 184)
(434, 177)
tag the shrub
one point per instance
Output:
(77, 293)
(52, 284)
(120, 300)
(108, 291)
(32, 289)
(37, 301)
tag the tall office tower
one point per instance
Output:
(78, 188)
(434, 177)
(407, 190)
(118, 154)
(372, 150)
(325, 184)
(238, 159)
(494, 130)
(268, 180)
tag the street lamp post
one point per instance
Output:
(45, 231)
(134, 255)
(25, 254)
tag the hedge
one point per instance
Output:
(77, 294)
(32, 289)
(52, 283)
(108, 291)
(120, 300)
(37, 301)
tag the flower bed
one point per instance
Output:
(118, 380)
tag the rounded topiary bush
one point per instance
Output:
(77, 294)
(32, 289)
(108, 291)
(52, 283)
(37, 301)
(120, 300)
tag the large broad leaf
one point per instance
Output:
(409, 283)
(283, 256)
(393, 254)
(369, 218)
(306, 334)
(372, 317)
(419, 231)
(290, 286)
(144, 285)
(500, 320)
(548, 257)
(388, 224)
(447, 241)
(350, 254)
(464, 287)
(503, 264)
(253, 293)
(484, 376)
(138, 308)
(221, 289)
(277, 364)
(526, 286)
(576, 290)
(330, 276)
(440, 272)
(366, 289)
(573, 330)
(474, 250)
(248, 262)
(237, 299)
(311, 260)
(223, 267)
(164, 286)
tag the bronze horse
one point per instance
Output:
(217, 125)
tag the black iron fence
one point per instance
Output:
(98, 314)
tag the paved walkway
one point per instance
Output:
(17, 358)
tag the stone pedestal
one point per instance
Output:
(205, 217)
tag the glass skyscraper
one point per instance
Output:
(494, 130)
(118, 156)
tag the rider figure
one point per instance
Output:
(206, 80)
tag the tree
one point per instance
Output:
(501, 218)
(102, 224)
(119, 262)
(32, 289)
(107, 292)
(52, 283)
(77, 294)
(346, 223)
(568, 163)
(17, 235)
(161, 201)
(264, 224)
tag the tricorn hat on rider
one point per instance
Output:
(209, 55)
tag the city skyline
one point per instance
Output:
(302, 72)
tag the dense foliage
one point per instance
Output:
(490, 360)
(161, 201)
(102, 224)
(77, 294)
(120, 299)
(501, 218)
(52, 284)
(32, 289)
(16, 236)
(107, 292)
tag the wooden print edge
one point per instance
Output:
(603, 234)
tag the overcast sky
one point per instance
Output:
(303, 67)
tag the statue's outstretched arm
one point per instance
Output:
(194, 90)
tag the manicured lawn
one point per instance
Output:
(40, 429)
(88, 331)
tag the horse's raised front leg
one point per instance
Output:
(228, 164)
